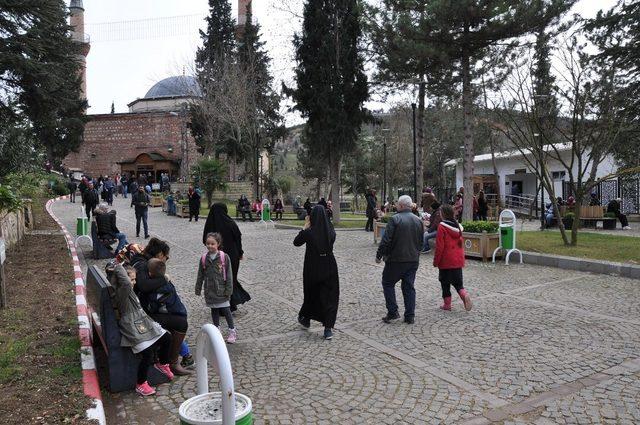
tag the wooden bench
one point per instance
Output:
(121, 363)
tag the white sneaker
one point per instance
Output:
(626, 228)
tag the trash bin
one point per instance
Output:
(206, 409)
(506, 235)
(82, 226)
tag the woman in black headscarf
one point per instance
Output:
(320, 273)
(219, 221)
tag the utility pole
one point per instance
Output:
(415, 159)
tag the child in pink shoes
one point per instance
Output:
(216, 276)
(139, 332)
(449, 258)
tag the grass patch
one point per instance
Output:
(10, 351)
(623, 249)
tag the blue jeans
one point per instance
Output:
(549, 219)
(122, 241)
(426, 238)
(142, 215)
(125, 190)
(392, 273)
(184, 349)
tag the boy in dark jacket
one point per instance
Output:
(449, 258)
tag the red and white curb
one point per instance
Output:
(89, 372)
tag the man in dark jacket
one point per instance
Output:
(141, 202)
(432, 231)
(371, 210)
(400, 248)
(72, 186)
(90, 200)
(614, 207)
(107, 229)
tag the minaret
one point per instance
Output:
(243, 5)
(76, 20)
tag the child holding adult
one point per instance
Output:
(138, 330)
(216, 275)
(449, 258)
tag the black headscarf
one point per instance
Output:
(322, 233)
(219, 221)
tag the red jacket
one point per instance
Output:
(449, 246)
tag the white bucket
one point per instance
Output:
(206, 409)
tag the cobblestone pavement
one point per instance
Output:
(541, 345)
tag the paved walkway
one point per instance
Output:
(541, 345)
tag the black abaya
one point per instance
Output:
(320, 274)
(220, 222)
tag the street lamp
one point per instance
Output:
(384, 167)
(415, 159)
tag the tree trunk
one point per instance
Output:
(420, 136)
(334, 164)
(467, 168)
(577, 210)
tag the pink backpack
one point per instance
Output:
(203, 261)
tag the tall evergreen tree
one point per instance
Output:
(617, 34)
(39, 70)
(264, 108)
(216, 53)
(465, 31)
(331, 83)
(403, 57)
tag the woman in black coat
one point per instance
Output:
(194, 203)
(220, 222)
(320, 273)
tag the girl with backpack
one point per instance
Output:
(449, 258)
(216, 275)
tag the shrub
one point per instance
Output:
(58, 186)
(610, 215)
(480, 226)
(183, 201)
(385, 218)
(9, 201)
(26, 184)
(570, 216)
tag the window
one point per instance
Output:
(558, 175)
(520, 171)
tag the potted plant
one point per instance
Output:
(156, 199)
(567, 220)
(609, 224)
(182, 208)
(480, 238)
(379, 226)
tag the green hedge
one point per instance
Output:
(480, 226)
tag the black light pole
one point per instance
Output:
(384, 173)
(415, 159)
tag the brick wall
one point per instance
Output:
(111, 138)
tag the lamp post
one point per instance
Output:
(415, 159)
(384, 166)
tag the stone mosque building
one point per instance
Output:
(152, 138)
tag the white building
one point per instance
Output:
(515, 176)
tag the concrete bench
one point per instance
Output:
(122, 364)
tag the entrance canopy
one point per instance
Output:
(151, 164)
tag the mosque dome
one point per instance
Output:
(178, 86)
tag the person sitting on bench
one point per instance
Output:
(244, 207)
(138, 330)
(614, 207)
(107, 229)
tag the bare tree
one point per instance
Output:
(588, 124)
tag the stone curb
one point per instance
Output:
(90, 381)
(292, 226)
(582, 264)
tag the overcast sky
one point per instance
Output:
(134, 44)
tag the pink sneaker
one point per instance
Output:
(165, 370)
(466, 299)
(233, 336)
(145, 389)
(446, 305)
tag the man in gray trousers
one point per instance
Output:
(400, 249)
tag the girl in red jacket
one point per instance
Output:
(449, 258)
